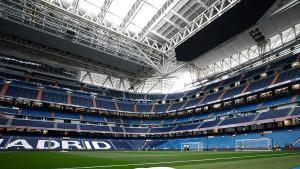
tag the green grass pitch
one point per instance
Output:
(134, 159)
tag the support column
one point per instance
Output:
(219, 98)
(201, 100)
(246, 88)
(39, 94)
(4, 89)
(168, 107)
(69, 99)
(117, 106)
(94, 102)
(153, 107)
(275, 78)
(182, 107)
(135, 109)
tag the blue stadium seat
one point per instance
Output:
(66, 126)
(176, 106)
(93, 118)
(210, 124)
(151, 122)
(246, 108)
(231, 80)
(182, 119)
(289, 75)
(296, 111)
(274, 114)
(211, 97)
(160, 129)
(8, 110)
(144, 107)
(32, 123)
(173, 96)
(113, 120)
(125, 106)
(117, 129)
(133, 121)
(233, 91)
(186, 127)
(274, 102)
(54, 97)
(222, 113)
(16, 92)
(3, 121)
(192, 103)
(283, 61)
(105, 104)
(162, 107)
(259, 84)
(136, 130)
(254, 72)
(94, 128)
(67, 115)
(237, 120)
(85, 101)
(200, 116)
(35, 113)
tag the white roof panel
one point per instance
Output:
(156, 3)
(92, 6)
(118, 10)
(144, 15)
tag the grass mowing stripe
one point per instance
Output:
(181, 161)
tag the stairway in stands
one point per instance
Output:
(296, 143)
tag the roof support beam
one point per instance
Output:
(104, 10)
(176, 69)
(159, 35)
(111, 82)
(75, 6)
(105, 81)
(90, 77)
(173, 24)
(181, 17)
(56, 1)
(153, 86)
(168, 6)
(141, 86)
(112, 29)
(251, 57)
(149, 61)
(214, 11)
(202, 4)
(85, 75)
(131, 13)
(170, 30)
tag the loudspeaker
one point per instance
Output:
(70, 34)
(257, 35)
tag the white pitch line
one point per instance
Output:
(181, 161)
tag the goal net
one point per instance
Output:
(261, 144)
(192, 146)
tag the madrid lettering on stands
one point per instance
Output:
(24, 144)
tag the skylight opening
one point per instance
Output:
(118, 11)
(92, 6)
(156, 3)
(145, 14)
(113, 19)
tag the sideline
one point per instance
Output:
(180, 161)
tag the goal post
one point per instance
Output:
(260, 144)
(193, 146)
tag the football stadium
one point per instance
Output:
(149, 84)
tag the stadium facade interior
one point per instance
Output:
(82, 76)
